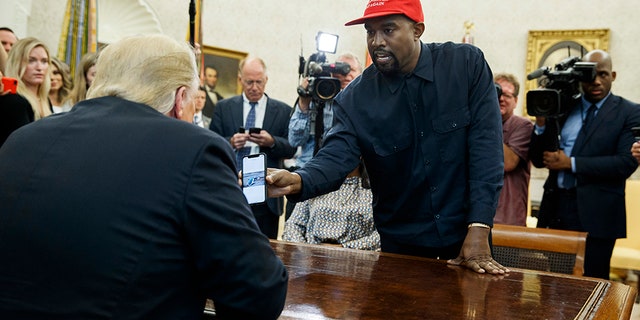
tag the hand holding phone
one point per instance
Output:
(10, 84)
(636, 133)
(254, 174)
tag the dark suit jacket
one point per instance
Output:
(603, 163)
(15, 113)
(115, 211)
(209, 105)
(227, 118)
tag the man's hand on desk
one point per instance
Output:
(476, 253)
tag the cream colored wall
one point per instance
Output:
(275, 30)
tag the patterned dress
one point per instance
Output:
(344, 216)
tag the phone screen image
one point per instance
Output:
(254, 171)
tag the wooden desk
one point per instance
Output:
(327, 282)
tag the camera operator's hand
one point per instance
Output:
(238, 140)
(263, 139)
(304, 102)
(635, 150)
(540, 121)
(556, 160)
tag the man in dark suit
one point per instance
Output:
(272, 116)
(210, 82)
(587, 173)
(132, 214)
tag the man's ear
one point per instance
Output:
(418, 30)
(178, 103)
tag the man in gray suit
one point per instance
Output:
(254, 109)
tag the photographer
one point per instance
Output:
(301, 133)
(516, 135)
(311, 119)
(588, 170)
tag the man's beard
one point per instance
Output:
(392, 67)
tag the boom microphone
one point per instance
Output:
(537, 73)
(192, 22)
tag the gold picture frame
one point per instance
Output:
(545, 48)
(226, 62)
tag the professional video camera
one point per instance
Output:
(560, 88)
(498, 90)
(322, 86)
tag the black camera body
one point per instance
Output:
(560, 90)
(322, 86)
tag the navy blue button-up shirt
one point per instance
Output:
(431, 141)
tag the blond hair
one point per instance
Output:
(147, 69)
(351, 56)
(17, 66)
(65, 73)
(80, 84)
(511, 79)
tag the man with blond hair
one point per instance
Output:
(128, 215)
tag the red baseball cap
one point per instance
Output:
(378, 8)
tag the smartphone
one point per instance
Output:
(636, 133)
(241, 130)
(255, 130)
(254, 172)
(10, 84)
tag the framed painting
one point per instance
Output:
(547, 48)
(226, 62)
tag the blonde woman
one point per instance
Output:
(60, 85)
(28, 62)
(85, 72)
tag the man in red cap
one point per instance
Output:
(426, 121)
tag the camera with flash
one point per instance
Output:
(322, 85)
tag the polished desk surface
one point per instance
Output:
(329, 282)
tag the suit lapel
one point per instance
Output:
(602, 116)
(270, 115)
(236, 113)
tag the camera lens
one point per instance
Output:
(327, 88)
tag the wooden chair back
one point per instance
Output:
(550, 250)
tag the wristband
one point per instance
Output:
(478, 224)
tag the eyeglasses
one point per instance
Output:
(249, 83)
(508, 95)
